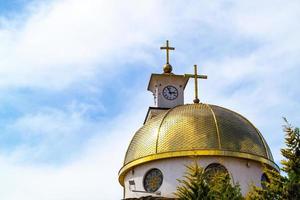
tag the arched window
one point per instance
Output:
(212, 169)
(264, 179)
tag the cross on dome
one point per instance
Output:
(196, 76)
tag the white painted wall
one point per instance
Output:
(242, 171)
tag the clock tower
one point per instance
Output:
(167, 88)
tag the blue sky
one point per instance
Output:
(12, 6)
(74, 73)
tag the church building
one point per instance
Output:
(175, 134)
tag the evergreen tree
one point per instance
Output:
(273, 188)
(222, 189)
(194, 185)
(197, 185)
(279, 187)
(291, 164)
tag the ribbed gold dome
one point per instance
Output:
(196, 129)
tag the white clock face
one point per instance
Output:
(170, 92)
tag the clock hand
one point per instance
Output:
(169, 90)
(172, 92)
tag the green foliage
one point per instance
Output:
(196, 186)
(291, 164)
(273, 188)
(221, 188)
(279, 187)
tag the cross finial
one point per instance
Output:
(167, 48)
(167, 66)
(196, 76)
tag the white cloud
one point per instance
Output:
(68, 41)
(92, 174)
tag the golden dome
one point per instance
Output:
(193, 130)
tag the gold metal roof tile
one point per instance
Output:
(196, 129)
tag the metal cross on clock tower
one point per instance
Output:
(167, 48)
(167, 66)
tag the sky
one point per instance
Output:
(74, 76)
